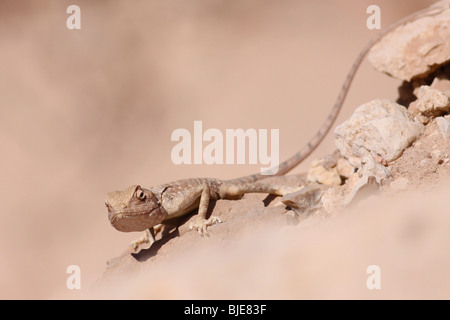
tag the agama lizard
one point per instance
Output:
(139, 209)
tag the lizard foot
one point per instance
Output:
(202, 224)
(148, 238)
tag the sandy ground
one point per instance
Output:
(86, 112)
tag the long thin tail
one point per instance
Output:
(301, 155)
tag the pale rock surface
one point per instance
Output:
(430, 102)
(414, 49)
(344, 168)
(442, 85)
(369, 178)
(380, 128)
(324, 171)
(444, 126)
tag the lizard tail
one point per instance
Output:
(301, 155)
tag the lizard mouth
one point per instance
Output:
(128, 221)
(129, 214)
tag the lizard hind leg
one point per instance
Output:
(235, 190)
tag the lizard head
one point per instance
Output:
(134, 209)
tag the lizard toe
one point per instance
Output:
(147, 239)
(201, 225)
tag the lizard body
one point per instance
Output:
(139, 209)
(136, 208)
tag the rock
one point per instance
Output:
(442, 85)
(364, 187)
(444, 126)
(350, 183)
(430, 103)
(421, 118)
(333, 200)
(380, 128)
(345, 169)
(368, 179)
(414, 49)
(328, 162)
(371, 168)
(324, 171)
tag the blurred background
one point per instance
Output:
(90, 111)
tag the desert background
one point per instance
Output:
(85, 112)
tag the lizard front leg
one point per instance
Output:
(149, 237)
(201, 223)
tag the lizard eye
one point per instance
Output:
(140, 195)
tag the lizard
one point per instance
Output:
(142, 209)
